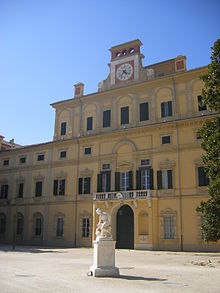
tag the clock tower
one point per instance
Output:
(125, 63)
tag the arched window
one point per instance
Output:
(19, 224)
(37, 225)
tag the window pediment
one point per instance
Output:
(167, 164)
(86, 172)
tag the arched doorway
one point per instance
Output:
(125, 228)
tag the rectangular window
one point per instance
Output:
(125, 180)
(164, 179)
(20, 190)
(63, 128)
(38, 188)
(89, 123)
(202, 178)
(104, 181)
(63, 154)
(168, 228)
(87, 185)
(166, 109)
(38, 226)
(144, 115)
(5, 162)
(124, 115)
(166, 139)
(19, 226)
(106, 118)
(145, 179)
(59, 232)
(105, 166)
(4, 191)
(22, 160)
(59, 187)
(85, 227)
(201, 106)
(145, 162)
(87, 151)
(84, 185)
(40, 157)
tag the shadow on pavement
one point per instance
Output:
(139, 278)
(29, 249)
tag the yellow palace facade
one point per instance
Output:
(131, 149)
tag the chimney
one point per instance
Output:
(78, 90)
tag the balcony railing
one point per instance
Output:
(117, 195)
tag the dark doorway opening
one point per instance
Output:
(125, 228)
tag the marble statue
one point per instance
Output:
(103, 230)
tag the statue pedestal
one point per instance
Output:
(104, 259)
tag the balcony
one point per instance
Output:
(124, 195)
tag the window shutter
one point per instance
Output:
(162, 110)
(170, 108)
(138, 179)
(80, 185)
(55, 187)
(130, 180)
(151, 178)
(108, 181)
(144, 111)
(99, 182)
(106, 118)
(124, 115)
(6, 191)
(62, 190)
(159, 179)
(170, 179)
(117, 181)
(87, 190)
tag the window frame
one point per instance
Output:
(87, 151)
(63, 127)
(89, 123)
(166, 109)
(38, 188)
(143, 112)
(106, 121)
(124, 115)
(85, 227)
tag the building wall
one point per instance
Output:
(123, 147)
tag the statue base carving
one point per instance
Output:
(104, 259)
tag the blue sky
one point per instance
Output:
(48, 46)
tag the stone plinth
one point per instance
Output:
(104, 259)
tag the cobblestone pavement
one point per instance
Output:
(34, 269)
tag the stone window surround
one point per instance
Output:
(166, 134)
(56, 217)
(34, 217)
(40, 153)
(36, 178)
(6, 159)
(200, 189)
(62, 150)
(22, 156)
(168, 212)
(87, 215)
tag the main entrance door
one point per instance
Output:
(125, 228)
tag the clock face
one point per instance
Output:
(124, 71)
